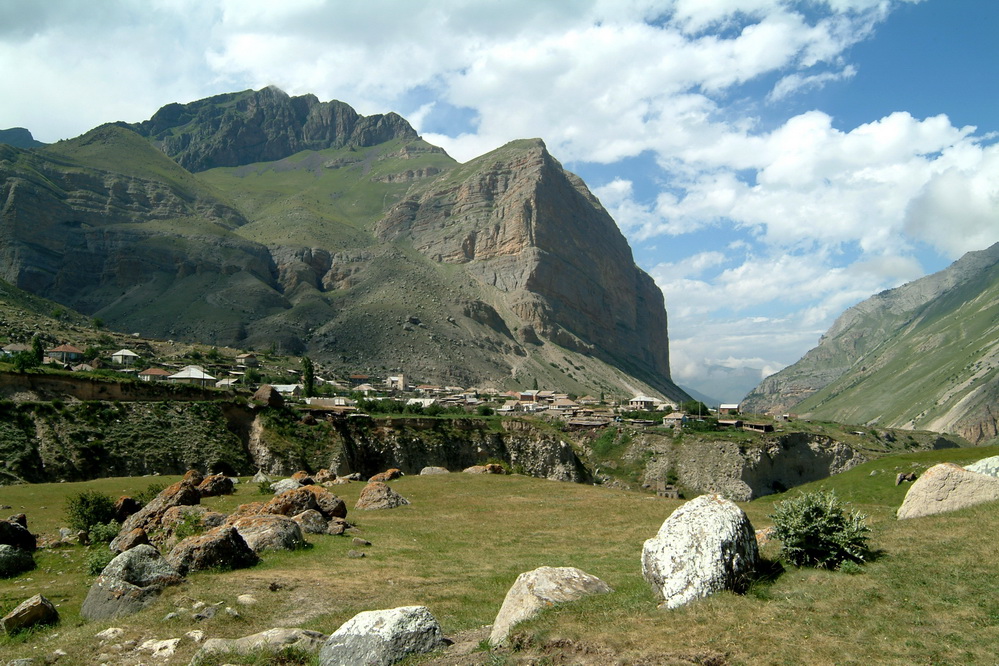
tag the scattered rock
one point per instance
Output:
(355, 554)
(337, 526)
(312, 522)
(14, 561)
(13, 533)
(295, 501)
(430, 471)
(358, 541)
(148, 518)
(383, 637)
(215, 485)
(947, 487)
(324, 476)
(161, 649)
(125, 506)
(904, 477)
(220, 548)
(377, 495)
(303, 478)
(387, 475)
(285, 485)
(129, 583)
(260, 477)
(705, 546)
(538, 589)
(989, 466)
(491, 468)
(269, 532)
(272, 640)
(29, 613)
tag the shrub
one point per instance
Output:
(815, 530)
(89, 508)
(146, 496)
(104, 532)
(98, 558)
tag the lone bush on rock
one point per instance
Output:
(816, 530)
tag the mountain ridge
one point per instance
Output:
(175, 228)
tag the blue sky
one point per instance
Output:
(772, 162)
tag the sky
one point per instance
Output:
(771, 162)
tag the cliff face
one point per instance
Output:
(922, 356)
(520, 224)
(262, 126)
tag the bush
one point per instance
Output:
(98, 558)
(89, 508)
(146, 496)
(104, 532)
(815, 530)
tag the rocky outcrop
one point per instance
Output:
(522, 225)
(263, 126)
(383, 637)
(542, 588)
(947, 487)
(705, 546)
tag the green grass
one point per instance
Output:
(931, 595)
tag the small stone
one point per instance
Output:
(232, 612)
(196, 635)
(246, 600)
(110, 633)
(358, 541)
(355, 554)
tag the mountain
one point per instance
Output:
(260, 220)
(19, 138)
(924, 355)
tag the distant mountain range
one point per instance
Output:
(924, 355)
(260, 220)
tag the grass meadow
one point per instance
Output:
(929, 595)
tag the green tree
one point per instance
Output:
(97, 323)
(308, 377)
(24, 360)
(252, 376)
(37, 350)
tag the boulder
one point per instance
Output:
(312, 522)
(269, 396)
(260, 477)
(272, 640)
(387, 475)
(295, 501)
(14, 561)
(19, 518)
(129, 583)
(13, 533)
(705, 546)
(382, 637)
(324, 476)
(194, 477)
(947, 487)
(220, 548)
(148, 518)
(123, 542)
(29, 613)
(988, 466)
(490, 468)
(337, 526)
(377, 495)
(430, 471)
(303, 478)
(269, 532)
(125, 506)
(538, 589)
(284, 485)
(215, 485)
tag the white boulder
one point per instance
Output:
(947, 487)
(382, 637)
(538, 589)
(705, 546)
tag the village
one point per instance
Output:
(246, 371)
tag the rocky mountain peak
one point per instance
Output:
(263, 125)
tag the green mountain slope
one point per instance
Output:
(925, 355)
(260, 220)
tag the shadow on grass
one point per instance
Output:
(767, 573)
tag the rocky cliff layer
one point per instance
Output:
(535, 236)
(924, 355)
(262, 126)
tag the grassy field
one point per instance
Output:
(931, 594)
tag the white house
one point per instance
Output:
(643, 403)
(124, 357)
(192, 374)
